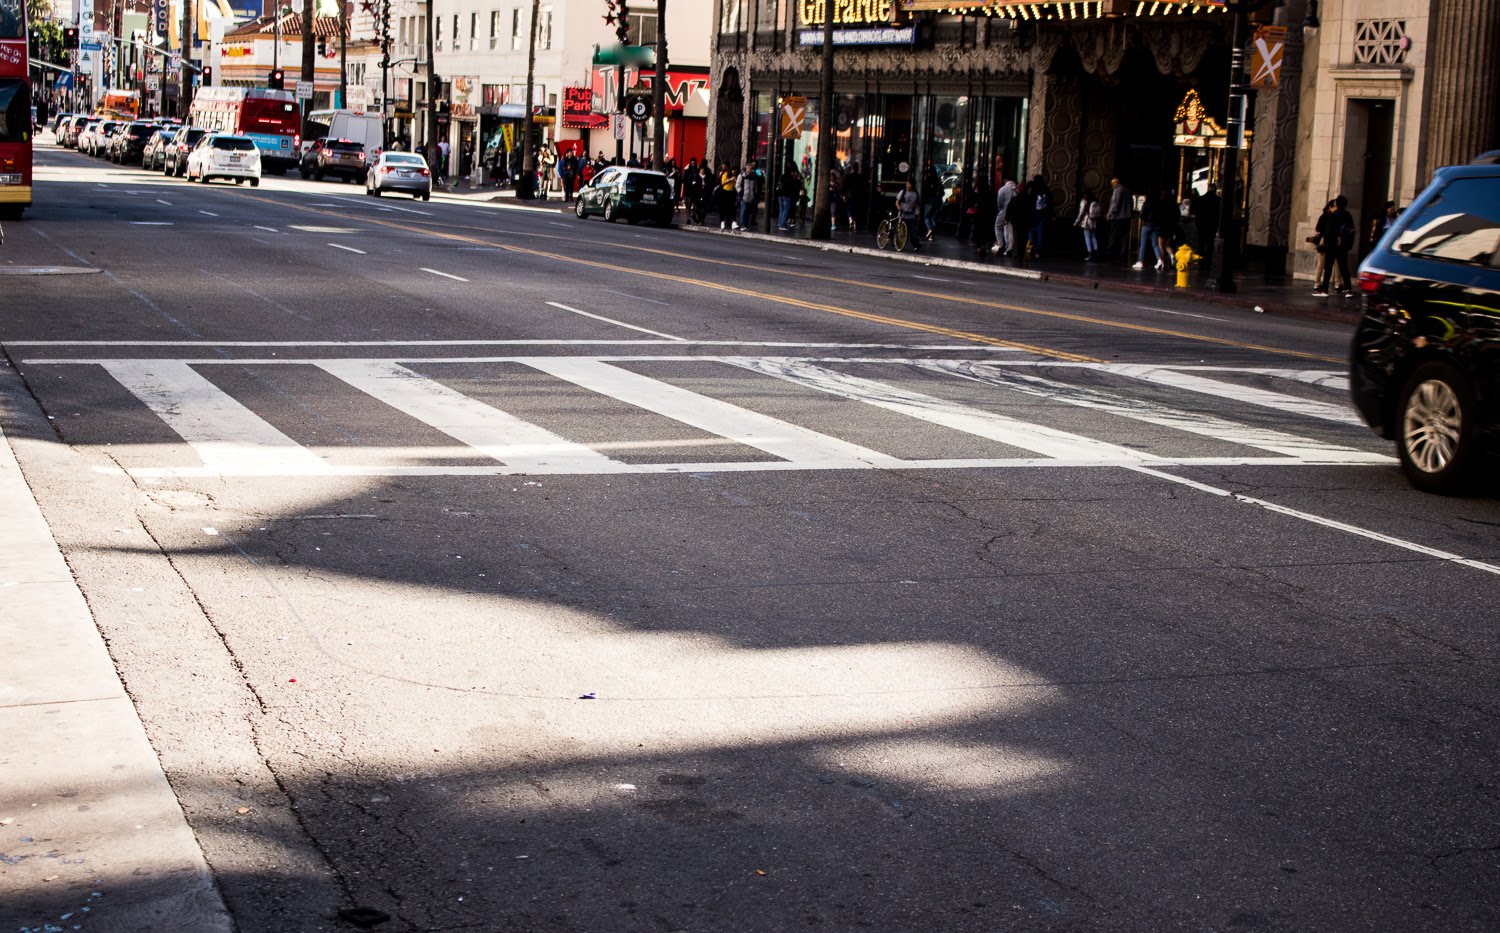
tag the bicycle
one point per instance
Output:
(894, 230)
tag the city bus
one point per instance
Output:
(15, 111)
(271, 118)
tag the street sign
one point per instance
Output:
(304, 90)
(1266, 56)
(86, 61)
(618, 120)
(793, 113)
(153, 83)
(639, 108)
(359, 99)
(174, 62)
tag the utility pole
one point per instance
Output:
(432, 83)
(526, 185)
(1227, 239)
(344, 55)
(308, 51)
(659, 91)
(822, 198)
(185, 95)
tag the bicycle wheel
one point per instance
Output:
(903, 235)
(883, 234)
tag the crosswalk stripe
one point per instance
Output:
(1013, 432)
(1201, 424)
(229, 437)
(1340, 414)
(492, 432)
(753, 429)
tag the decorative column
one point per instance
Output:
(1463, 82)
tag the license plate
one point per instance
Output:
(235, 158)
(648, 197)
(10, 179)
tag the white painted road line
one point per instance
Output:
(160, 201)
(610, 320)
(558, 223)
(1325, 522)
(349, 249)
(492, 432)
(1049, 442)
(1340, 414)
(1198, 423)
(445, 275)
(209, 213)
(751, 428)
(227, 436)
(151, 223)
(267, 229)
(481, 343)
(1206, 317)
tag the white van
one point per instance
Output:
(346, 124)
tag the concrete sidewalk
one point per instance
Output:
(91, 834)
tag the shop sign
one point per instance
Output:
(461, 98)
(872, 35)
(845, 12)
(793, 114)
(508, 133)
(1266, 56)
(578, 110)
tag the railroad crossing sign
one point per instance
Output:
(793, 113)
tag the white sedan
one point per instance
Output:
(220, 155)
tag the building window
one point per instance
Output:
(456, 37)
(437, 33)
(544, 29)
(515, 29)
(1380, 41)
(494, 28)
(473, 31)
(643, 29)
(729, 16)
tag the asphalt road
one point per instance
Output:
(514, 572)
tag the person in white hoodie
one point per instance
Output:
(1005, 239)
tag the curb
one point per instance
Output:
(1328, 315)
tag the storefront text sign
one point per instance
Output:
(578, 110)
(845, 12)
(874, 35)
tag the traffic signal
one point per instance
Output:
(208, 76)
(322, 47)
(277, 80)
(622, 22)
(70, 37)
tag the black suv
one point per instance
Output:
(328, 156)
(1426, 358)
(130, 142)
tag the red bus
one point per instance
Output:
(271, 118)
(15, 110)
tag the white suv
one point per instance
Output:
(219, 155)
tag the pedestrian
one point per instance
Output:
(1168, 232)
(838, 199)
(1004, 238)
(1335, 240)
(982, 219)
(856, 197)
(908, 207)
(1206, 208)
(1117, 218)
(1385, 221)
(1087, 222)
(568, 171)
(444, 148)
(727, 178)
(787, 189)
(932, 199)
(1150, 249)
(747, 191)
(633, 162)
(1041, 213)
(1187, 222)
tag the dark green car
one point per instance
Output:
(635, 194)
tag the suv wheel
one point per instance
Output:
(578, 209)
(609, 212)
(1435, 429)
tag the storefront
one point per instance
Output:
(687, 99)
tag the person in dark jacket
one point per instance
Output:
(932, 198)
(982, 201)
(1335, 238)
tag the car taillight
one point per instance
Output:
(385, 170)
(1370, 282)
(426, 172)
(296, 140)
(181, 147)
(361, 156)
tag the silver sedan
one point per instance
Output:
(406, 172)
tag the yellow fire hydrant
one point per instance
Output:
(1184, 260)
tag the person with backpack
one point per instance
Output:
(787, 189)
(1004, 231)
(747, 190)
(1335, 236)
(1090, 216)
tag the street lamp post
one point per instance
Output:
(1227, 238)
(526, 184)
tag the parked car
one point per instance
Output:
(174, 161)
(57, 122)
(153, 156)
(84, 138)
(1425, 367)
(328, 156)
(406, 172)
(129, 143)
(636, 194)
(67, 131)
(220, 155)
(99, 139)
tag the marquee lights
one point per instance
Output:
(1025, 10)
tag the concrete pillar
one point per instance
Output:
(1463, 93)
